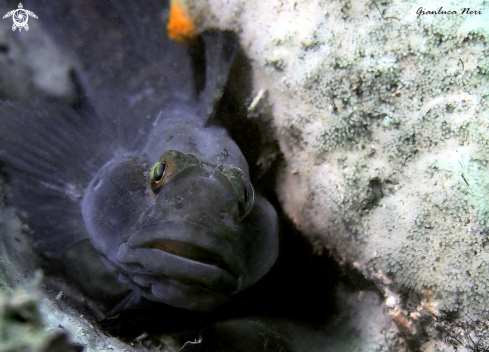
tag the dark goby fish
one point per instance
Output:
(139, 166)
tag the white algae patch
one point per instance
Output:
(383, 121)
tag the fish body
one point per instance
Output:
(138, 166)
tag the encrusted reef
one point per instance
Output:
(382, 118)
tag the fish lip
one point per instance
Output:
(188, 251)
(202, 299)
(226, 269)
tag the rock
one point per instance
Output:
(22, 327)
(382, 117)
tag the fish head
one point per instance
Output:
(180, 231)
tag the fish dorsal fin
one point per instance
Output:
(220, 51)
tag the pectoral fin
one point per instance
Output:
(48, 154)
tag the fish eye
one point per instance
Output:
(158, 171)
(171, 163)
(242, 187)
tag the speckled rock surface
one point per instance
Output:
(21, 325)
(383, 121)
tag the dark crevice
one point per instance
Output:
(374, 194)
(197, 54)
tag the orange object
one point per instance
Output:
(180, 27)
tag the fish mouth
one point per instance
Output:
(190, 253)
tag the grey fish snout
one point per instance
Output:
(187, 240)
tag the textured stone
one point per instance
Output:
(383, 121)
